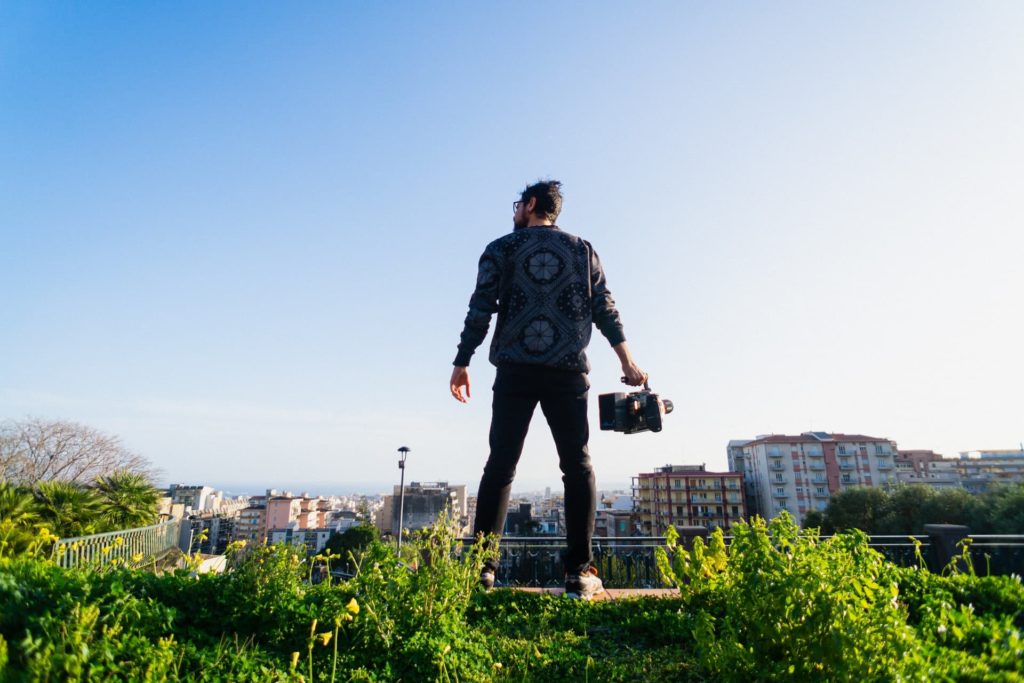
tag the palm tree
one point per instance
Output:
(15, 504)
(127, 500)
(16, 517)
(68, 509)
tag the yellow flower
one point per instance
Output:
(107, 549)
(119, 541)
(295, 660)
(352, 606)
(325, 637)
(46, 536)
(137, 557)
(497, 665)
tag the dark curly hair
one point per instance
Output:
(548, 194)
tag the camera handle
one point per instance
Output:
(646, 387)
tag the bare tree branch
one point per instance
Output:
(35, 449)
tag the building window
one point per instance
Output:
(842, 450)
(778, 477)
(735, 510)
(846, 479)
(820, 490)
(780, 491)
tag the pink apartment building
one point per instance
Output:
(282, 511)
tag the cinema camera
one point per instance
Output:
(639, 411)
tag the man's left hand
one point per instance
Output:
(460, 378)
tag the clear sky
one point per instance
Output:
(243, 236)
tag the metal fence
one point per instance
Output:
(130, 545)
(997, 554)
(628, 562)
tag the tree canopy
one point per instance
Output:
(354, 539)
(906, 509)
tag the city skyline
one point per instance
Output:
(244, 242)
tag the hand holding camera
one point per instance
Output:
(633, 376)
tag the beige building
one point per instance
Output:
(801, 473)
(980, 470)
(251, 525)
(687, 495)
(926, 467)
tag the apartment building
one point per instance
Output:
(251, 525)
(801, 473)
(980, 470)
(928, 468)
(313, 540)
(196, 499)
(209, 533)
(613, 523)
(423, 503)
(687, 495)
(283, 511)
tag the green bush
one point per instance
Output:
(777, 603)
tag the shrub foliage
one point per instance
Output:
(777, 603)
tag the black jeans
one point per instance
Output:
(563, 400)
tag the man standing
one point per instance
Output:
(547, 288)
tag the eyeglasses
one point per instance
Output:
(515, 205)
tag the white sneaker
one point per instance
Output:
(583, 586)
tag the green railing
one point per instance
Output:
(130, 545)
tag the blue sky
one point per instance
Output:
(243, 238)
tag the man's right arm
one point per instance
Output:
(482, 305)
(632, 372)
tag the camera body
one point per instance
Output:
(639, 411)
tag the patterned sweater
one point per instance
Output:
(547, 288)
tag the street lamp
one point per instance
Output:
(403, 452)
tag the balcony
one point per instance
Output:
(780, 496)
(775, 455)
(815, 454)
(847, 466)
(883, 466)
(777, 467)
(820, 494)
(816, 466)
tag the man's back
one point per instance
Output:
(548, 288)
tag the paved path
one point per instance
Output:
(614, 593)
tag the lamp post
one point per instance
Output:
(403, 452)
